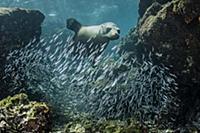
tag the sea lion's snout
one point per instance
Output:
(115, 33)
(115, 36)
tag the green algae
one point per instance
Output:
(86, 124)
(15, 100)
(21, 115)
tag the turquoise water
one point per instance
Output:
(122, 12)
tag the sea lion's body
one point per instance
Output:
(92, 40)
(90, 32)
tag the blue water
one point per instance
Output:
(122, 12)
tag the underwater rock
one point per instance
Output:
(170, 37)
(85, 124)
(18, 114)
(145, 4)
(17, 28)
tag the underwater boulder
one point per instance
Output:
(168, 34)
(17, 28)
(18, 114)
(145, 4)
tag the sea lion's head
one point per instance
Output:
(110, 30)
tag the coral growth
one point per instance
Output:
(85, 124)
(18, 114)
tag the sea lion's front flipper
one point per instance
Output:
(73, 24)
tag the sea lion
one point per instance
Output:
(93, 39)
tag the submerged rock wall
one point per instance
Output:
(168, 34)
(17, 28)
(145, 4)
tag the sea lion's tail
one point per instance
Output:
(73, 24)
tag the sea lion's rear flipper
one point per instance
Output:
(73, 24)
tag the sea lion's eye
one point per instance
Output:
(108, 29)
(118, 31)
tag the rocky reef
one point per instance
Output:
(167, 34)
(88, 125)
(84, 123)
(18, 114)
(17, 28)
(145, 4)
